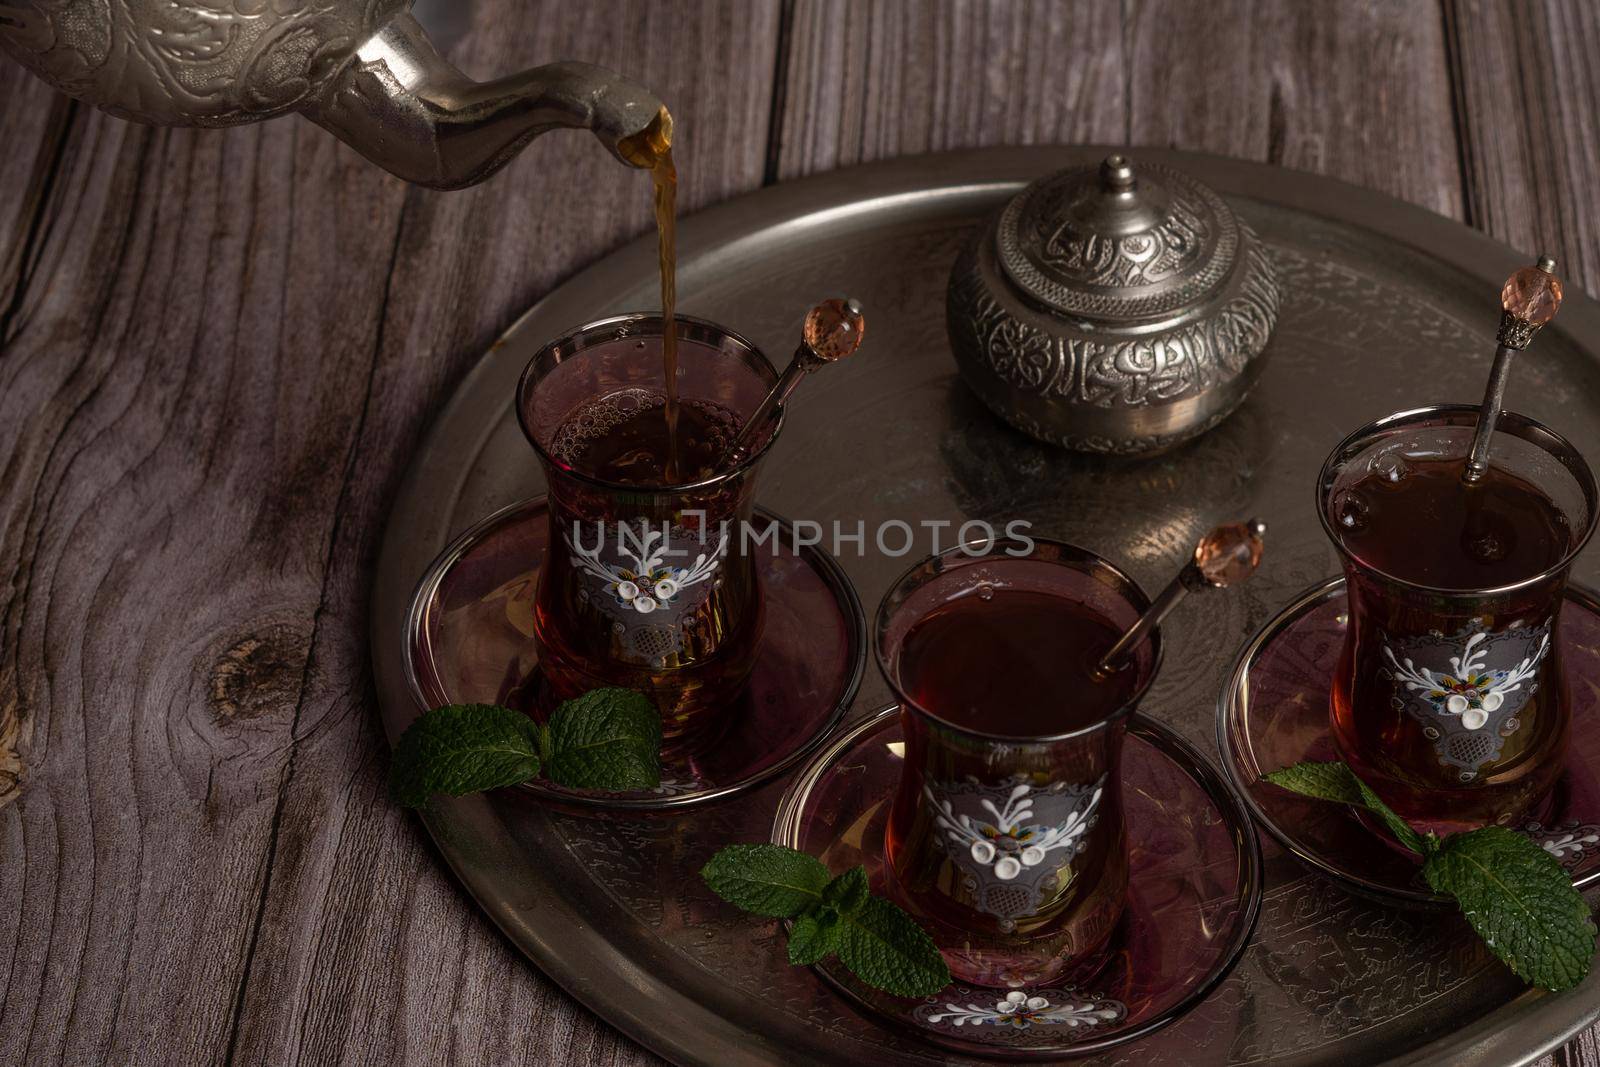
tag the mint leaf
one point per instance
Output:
(848, 891)
(815, 934)
(881, 944)
(766, 879)
(1324, 781)
(463, 748)
(608, 739)
(1513, 893)
(1335, 781)
(1520, 901)
(1401, 829)
(885, 948)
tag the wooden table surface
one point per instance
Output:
(219, 349)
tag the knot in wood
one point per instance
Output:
(262, 672)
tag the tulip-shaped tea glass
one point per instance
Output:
(1005, 836)
(650, 583)
(1449, 699)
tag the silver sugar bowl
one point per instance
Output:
(1113, 309)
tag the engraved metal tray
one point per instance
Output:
(1386, 306)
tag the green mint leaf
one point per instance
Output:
(1324, 781)
(1520, 901)
(766, 879)
(1335, 781)
(607, 739)
(885, 948)
(815, 934)
(463, 748)
(848, 891)
(1401, 829)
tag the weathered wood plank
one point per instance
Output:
(1582, 1051)
(1530, 125)
(368, 952)
(178, 395)
(889, 78)
(222, 358)
(34, 127)
(1361, 93)
(1355, 91)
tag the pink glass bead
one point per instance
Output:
(834, 329)
(1229, 554)
(1532, 296)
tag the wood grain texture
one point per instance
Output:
(33, 126)
(1357, 90)
(353, 892)
(174, 435)
(218, 350)
(872, 79)
(1529, 85)
(227, 349)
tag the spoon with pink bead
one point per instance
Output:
(833, 331)
(1530, 299)
(1224, 557)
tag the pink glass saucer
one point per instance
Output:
(1274, 712)
(469, 639)
(1194, 894)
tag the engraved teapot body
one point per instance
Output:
(363, 69)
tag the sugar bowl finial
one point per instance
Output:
(1224, 557)
(1529, 300)
(1116, 174)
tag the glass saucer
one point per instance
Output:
(1194, 895)
(1274, 712)
(469, 639)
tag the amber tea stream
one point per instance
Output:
(651, 149)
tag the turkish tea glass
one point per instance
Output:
(651, 587)
(1011, 850)
(1451, 702)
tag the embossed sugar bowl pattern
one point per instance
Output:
(1113, 309)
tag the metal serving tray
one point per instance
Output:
(1386, 306)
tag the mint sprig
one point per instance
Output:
(1514, 894)
(607, 739)
(882, 945)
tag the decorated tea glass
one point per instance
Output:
(1009, 846)
(648, 585)
(1449, 699)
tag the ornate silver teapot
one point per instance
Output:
(363, 69)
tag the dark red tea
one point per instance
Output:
(1415, 520)
(1450, 702)
(625, 438)
(1012, 852)
(1013, 662)
(653, 592)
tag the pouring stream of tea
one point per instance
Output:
(651, 149)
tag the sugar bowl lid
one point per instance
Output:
(1118, 244)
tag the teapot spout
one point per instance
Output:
(400, 104)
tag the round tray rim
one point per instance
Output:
(1515, 1034)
